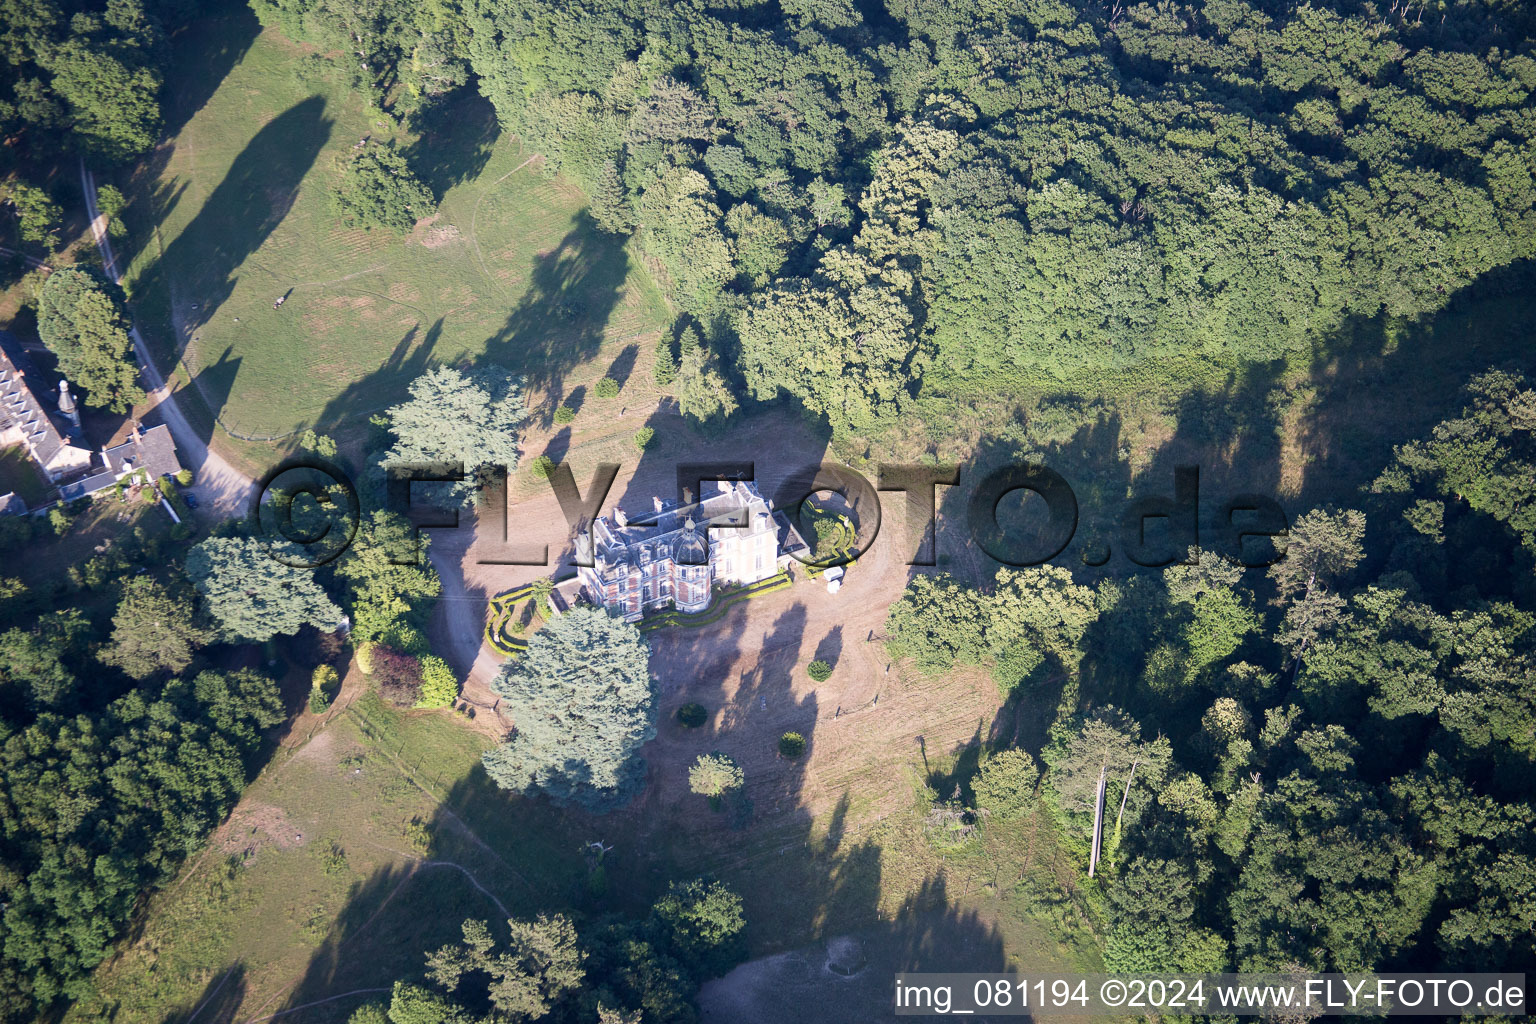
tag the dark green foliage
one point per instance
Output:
(1005, 783)
(643, 437)
(541, 966)
(377, 189)
(1486, 457)
(95, 813)
(703, 923)
(83, 78)
(471, 417)
(665, 368)
(606, 388)
(83, 321)
(154, 630)
(254, 596)
(819, 671)
(564, 414)
(582, 698)
(37, 216)
(692, 715)
(791, 744)
(389, 579)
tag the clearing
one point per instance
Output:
(234, 210)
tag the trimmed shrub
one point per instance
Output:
(365, 656)
(542, 467)
(184, 477)
(564, 414)
(319, 701)
(791, 744)
(643, 437)
(819, 671)
(439, 686)
(324, 678)
(692, 715)
(606, 388)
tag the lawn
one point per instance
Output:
(234, 211)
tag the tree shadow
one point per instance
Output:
(219, 1002)
(456, 136)
(623, 365)
(831, 647)
(559, 321)
(558, 445)
(203, 52)
(197, 271)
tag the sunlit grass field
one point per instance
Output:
(234, 211)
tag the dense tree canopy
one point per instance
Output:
(99, 807)
(1328, 764)
(83, 322)
(254, 596)
(470, 417)
(82, 76)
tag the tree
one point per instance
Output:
(643, 437)
(542, 964)
(110, 203)
(704, 395)
(1485, 457)
(84, 324)
(387, 573)
(664, 369)
(377, 189)
(583, 703)
(439, 685)
(153, 630)
(321, 684)
(111, 97)
(715, 774)
(470, 417)
(704, 923)
(1005, 782)
(252, 595)
(819, 671)
(398, 676)
(606, 388)
(37, 215)
(1322, 546)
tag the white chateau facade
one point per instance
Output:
(673, 557)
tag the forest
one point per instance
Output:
(1327, 767)
(852, 206)
(854, 202)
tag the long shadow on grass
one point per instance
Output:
(197, 270)
(219, 1002)
(203, 52)
(457, 134)
(559, 321)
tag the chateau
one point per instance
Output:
(673, 557)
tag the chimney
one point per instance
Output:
(68, 408)
(687, 495)
(657, 502)
(619, 517)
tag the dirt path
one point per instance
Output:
(219, 485)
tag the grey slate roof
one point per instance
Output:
(20, 408)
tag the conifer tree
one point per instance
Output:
(582, 702)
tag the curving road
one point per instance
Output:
(219, 486)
